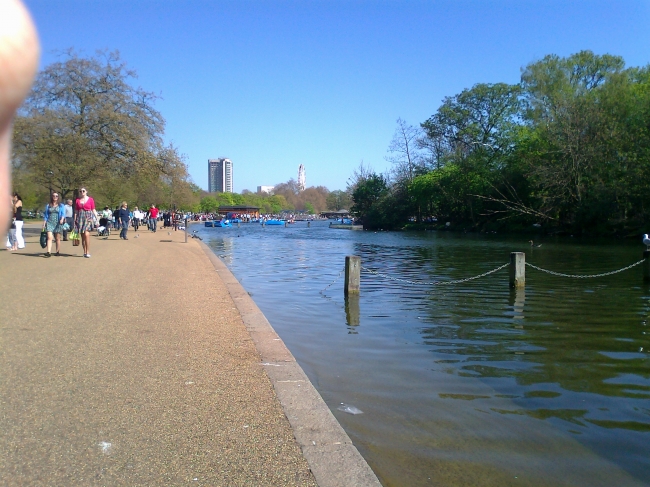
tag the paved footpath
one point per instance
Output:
(144, 366)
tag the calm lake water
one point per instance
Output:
(467, 384)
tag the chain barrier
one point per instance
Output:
(433, 283)
(459, 281)
(584, 276)
(336, 279)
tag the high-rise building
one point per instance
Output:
(301, 178)
(220, 175)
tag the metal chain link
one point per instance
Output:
(584, 276)
(336, 279)
(433, 283)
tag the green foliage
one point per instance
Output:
(338, 200)
(568, 147)
(369, 198)
(84, 123)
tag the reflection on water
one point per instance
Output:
(352, 311)
(469, 384)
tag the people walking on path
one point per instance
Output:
(52, 223)
(116, 223)
(167, 219)
(106, 219)
(12, 243)
(18, 219)
(137, 217)
(153, 218)
(68, 218)
(86, 219)
(123, 219)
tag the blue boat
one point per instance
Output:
(272, 222)
(218, 223)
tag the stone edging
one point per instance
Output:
(332, 458)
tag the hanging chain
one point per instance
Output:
(433, 283)
(587, 276)
(336, 279)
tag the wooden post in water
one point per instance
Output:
(286, 224)
(186, 230)
(646, 266)
(308, 224)
(517, 270)
(352, 274)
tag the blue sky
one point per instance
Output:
(276, 84)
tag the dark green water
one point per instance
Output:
(468, 384)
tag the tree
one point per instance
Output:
(404, 151)
(576, 128)
(477, 125)
(366, 197)
(209, 204)
(85, 123)
(338, 200)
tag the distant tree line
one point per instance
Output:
(567, 148)
(285, 197)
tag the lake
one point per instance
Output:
(470, 383)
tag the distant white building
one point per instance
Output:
(220, 175)
(265, 189)
(301, 178)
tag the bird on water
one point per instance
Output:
(646, 241)
(532, 244)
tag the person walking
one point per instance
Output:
(153, 218)
(18, 219)
(137, 216)
(53, 220)
(68, 219)
(116, 223)
(12, 243)
(123, 219)
(106, 219)
(85, 219)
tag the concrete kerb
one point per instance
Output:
(332, 458)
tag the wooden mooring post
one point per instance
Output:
(646, 266)
(517, 270)
(352, 274)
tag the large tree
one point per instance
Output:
(85, 123)
(579, 111)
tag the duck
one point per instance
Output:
(532, 244)
(646, 241)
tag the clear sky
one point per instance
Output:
(275, 84)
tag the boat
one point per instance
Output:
(345, 224)
(272, 222)
(218, 223)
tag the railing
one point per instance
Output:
(517, 268)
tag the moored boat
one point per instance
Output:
(218, 223)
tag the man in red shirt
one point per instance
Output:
(153, 218)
